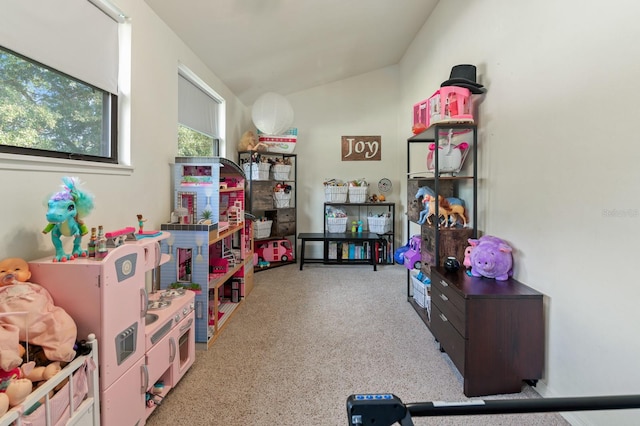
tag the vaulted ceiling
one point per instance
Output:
(283, 46)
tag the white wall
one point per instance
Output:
(156, 52)
(359, 106)
(559, 169)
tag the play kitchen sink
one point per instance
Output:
(150, 319)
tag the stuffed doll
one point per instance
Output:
(42, 323)
(14, 386)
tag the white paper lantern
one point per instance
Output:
(272, 114)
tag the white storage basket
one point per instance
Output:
(337, 224)
(281, 199)
(256, 171)
(335, 194)
(379, 225)
(262, 229)
(281, 171)
(358, 194)
(421, 292)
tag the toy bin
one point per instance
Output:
(281, 171)
(379, 225)
(281, 199)
(262, 229)
(358, 194)
(450, 104)
(256, 171)
(335, 194)
(283, 144)
(421, 291)
(336, 224)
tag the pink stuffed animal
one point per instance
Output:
(491, 257)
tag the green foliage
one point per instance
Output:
(43, 109)
(194, 144)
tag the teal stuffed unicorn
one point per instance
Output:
(65, 212)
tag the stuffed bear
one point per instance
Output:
(248, 142)
(44, 324)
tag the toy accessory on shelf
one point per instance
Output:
(65, 212)
(464, 75)
(450, 156)
(491, 257)
(141, 222)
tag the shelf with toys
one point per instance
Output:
(211, 243)
(357, 218)
(271, 197)
(438, 237)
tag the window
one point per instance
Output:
(195, 144)
(47, 113)
(199, 117)
(59, 98)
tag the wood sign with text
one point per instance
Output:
(361, 148)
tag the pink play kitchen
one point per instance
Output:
(146, 335)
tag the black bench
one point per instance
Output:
(346, 236)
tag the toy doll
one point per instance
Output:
(42, 323)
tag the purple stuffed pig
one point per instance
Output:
(491, 257)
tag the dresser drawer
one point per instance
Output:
(444, 286)
(450, 340)
(451, 312)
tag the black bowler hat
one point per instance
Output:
(464, 76)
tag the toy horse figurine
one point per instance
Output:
(65, 212)
(426, 193)
(456, 205)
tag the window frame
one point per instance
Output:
(109, 123)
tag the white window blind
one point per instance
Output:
(71, 36)
(196, 109)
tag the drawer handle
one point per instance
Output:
(443, 297)
(443, 283)
(443, 318)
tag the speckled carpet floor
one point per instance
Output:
(303, 341)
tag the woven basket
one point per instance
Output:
(335, 194)
(281, 199)
(256, 171)
(337, 224)
(358, 194)
(262, 229)
(421, 293)
(379, 225)
(281, 171)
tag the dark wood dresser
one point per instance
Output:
(493, 331)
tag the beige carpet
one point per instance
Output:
(303, 341)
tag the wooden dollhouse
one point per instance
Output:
(211, 243)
